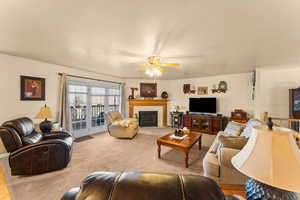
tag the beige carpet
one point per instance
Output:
(104, 153)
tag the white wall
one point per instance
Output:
(238, 94)
(273, 90)
(12, 67)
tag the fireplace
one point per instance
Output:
(148, 118)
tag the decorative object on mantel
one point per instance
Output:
(164, 95)
(238, 115)
(148, 90)
(45, 113)
(222, 88)
(271, 160)
(202, 90)
(132, 93)
(189, 89)
(32, 88)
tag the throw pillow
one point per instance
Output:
(234, 142)
(248, 129)
(233, 129)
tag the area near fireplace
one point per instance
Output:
(151, 103)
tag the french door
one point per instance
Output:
(87, 103)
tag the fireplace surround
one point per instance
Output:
(163, 103)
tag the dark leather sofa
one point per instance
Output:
(145, 186)
(32, 152)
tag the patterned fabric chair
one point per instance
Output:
(121, 128)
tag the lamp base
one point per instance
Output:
(259, 191)
(46, 126)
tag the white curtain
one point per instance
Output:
(63, 114)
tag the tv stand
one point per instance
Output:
(203, 123)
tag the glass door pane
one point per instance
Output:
(78, 104)
(114, 100)
(97, 109)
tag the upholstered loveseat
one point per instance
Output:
(145, 186)
(217, 161)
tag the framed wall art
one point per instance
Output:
(148, 90)
(32, 88)
(202, 90)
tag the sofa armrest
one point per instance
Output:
(225, 155)
(67, 143)
(71, 194)
(56, 135)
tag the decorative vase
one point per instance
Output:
(259, 191)
(164, 95)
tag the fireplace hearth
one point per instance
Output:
(148, 118)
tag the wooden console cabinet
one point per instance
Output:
(203, 124)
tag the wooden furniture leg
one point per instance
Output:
(187, 159)
(158, 149)
(200, 143)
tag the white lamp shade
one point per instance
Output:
(271, 157)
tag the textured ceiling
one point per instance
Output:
(208, 37)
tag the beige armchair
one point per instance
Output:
(121, 128)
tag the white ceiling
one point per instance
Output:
(208, 37)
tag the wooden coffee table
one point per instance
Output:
(184, 144)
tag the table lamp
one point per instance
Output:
(46, 125)
(271, 160)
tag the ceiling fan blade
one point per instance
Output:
(160, 69)
(142, 69)
(185, 56)
(169, 65)
(140, 64)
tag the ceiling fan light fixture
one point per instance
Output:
(153, 72)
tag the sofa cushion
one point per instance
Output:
(233, 129)
(248, 129)
(235, 142)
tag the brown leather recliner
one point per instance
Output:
(146, 186)
(32, 152)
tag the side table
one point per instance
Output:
(176, 119)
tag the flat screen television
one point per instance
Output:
(203, 105)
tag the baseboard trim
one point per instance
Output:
(4, 155)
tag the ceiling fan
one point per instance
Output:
(154, 67)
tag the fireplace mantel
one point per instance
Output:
(150, 102)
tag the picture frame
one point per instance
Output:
(32, 88)
(202, 90)
(148, 90)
